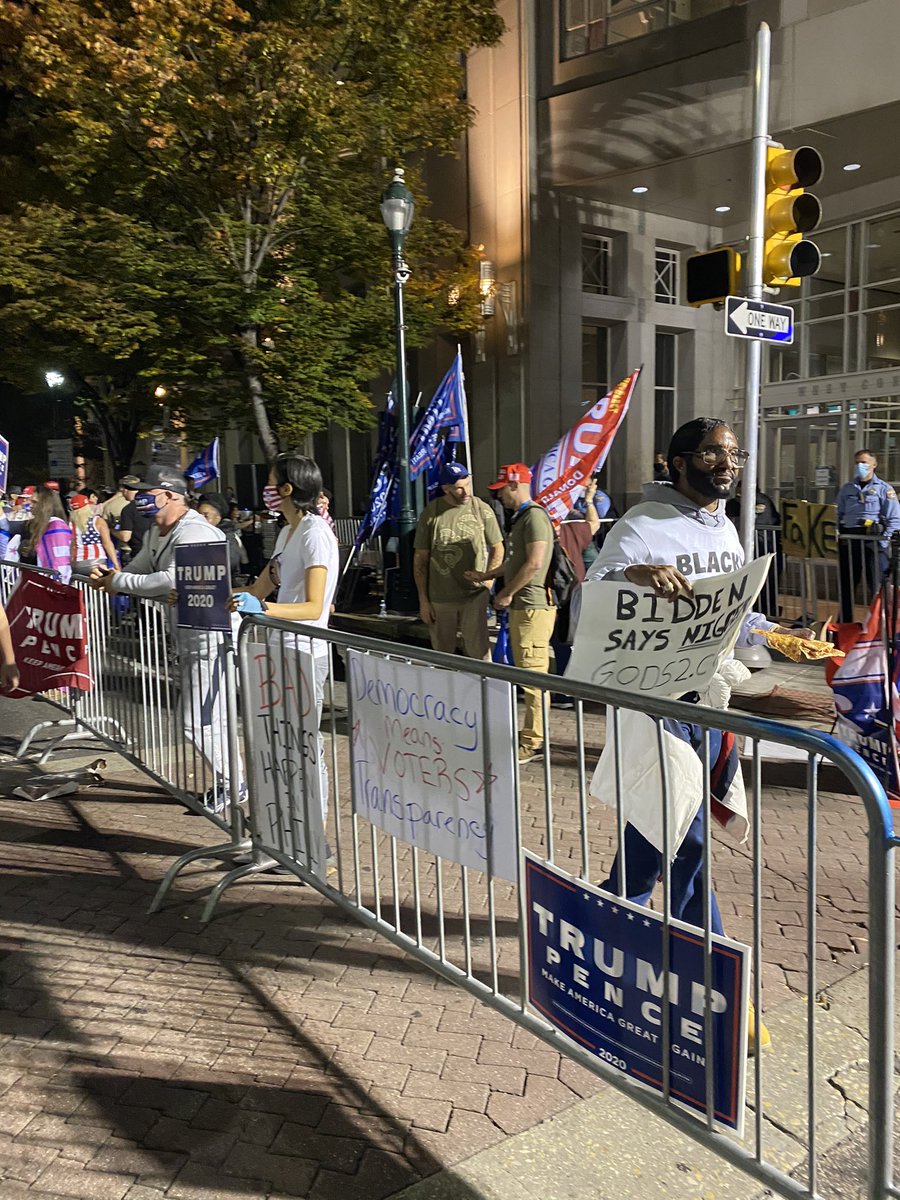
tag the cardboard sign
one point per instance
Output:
(595, 972)
(49, 636)
(628, 637)
(203, 584)
(286, 801)
(426, 753)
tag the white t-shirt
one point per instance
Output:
(312, 544)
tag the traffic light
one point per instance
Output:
(791, 212)
(713, 275)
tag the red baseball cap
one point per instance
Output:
(511, 473)
(51, 485)
(30, 490)
(78, 501)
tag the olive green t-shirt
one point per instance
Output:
(530, 525)
(456, 537)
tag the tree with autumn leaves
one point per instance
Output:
(195, 199)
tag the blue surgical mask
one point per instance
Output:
(862, 472)
(146, 503)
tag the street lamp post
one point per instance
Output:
(397, 209)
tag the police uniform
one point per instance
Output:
(864, 507)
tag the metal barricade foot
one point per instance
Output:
(36, 729)
(261, 863)
(193, 856)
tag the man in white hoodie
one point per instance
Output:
(151, 574)
(679, 533)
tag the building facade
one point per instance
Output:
(611, 141)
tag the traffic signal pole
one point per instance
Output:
(754, 284)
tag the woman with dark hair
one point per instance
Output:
(304, 567)
(49, 537)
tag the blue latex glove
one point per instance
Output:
(247, 603)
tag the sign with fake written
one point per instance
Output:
(432, 760)
(808, 530)
(595, 972)
(630, 638)
(203, 585)
(288, 789)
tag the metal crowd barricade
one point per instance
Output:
(163, 698)
(469, 924)
(863, 556)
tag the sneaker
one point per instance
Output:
(758, 1037)
(527, 756)
(562, 702)
(215, 799)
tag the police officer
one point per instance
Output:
(865, 505)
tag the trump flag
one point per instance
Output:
(562, 473)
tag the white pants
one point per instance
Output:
(202, 665)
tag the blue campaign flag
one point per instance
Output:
(502, 652)
(445, 412)
(4, 463)
(384, 475)
(595, 972)
(205, 467)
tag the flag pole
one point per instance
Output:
(465, 411)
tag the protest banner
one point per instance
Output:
(286, 795)
(4, 463)
(628, 637)
(203, 585)
(595, 972)
(426, 754)
(808, 530)
(49, 636)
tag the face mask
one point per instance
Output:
(271, 498)
(146, 503)
(862, 472)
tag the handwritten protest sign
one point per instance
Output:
(288, 784)
(595, 971)
(628, 637)
(203, 585)
(426, 752)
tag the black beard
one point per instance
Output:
(704, 484)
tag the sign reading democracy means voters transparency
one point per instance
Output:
(429, 758)
(595, 973)
(203, 585)
(287, 793)
(628, 637)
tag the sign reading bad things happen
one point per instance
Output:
(595, 972)
(431, 754)
(628, 637)
(289, 787)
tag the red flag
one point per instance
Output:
(48, 627)
(562, 473)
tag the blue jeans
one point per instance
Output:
(643, 862)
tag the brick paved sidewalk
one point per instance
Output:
(285, 1050)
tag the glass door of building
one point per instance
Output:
(803, 457)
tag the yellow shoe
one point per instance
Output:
(758, 1037)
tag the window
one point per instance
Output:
(594, 363)
(664, 382)
(589, 25)
(596, 263)
(665, 276)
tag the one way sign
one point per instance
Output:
(757, 319)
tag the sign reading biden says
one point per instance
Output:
(628, 637)
(595, 973)
(203, 585)
(432, 760)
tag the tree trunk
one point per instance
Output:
(260, 413)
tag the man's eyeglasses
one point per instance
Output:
(713, 455)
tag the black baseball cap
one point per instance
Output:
(163, 478)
